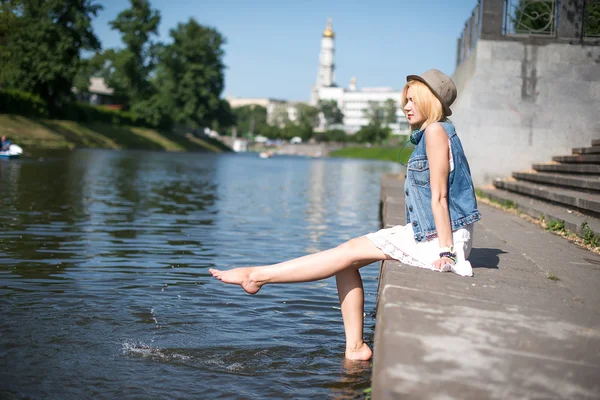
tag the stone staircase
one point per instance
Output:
(566, 189)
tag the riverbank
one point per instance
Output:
(63, 134)
(394, 154)
(524, 326)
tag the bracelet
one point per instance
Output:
(447, 254)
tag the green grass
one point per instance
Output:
(552, 276)
(555, 225)
(49, 133)
(374, 153)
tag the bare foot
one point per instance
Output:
(238, 276)
(361, 353)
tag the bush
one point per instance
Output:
(22, 103)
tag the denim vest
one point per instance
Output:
(462, 203)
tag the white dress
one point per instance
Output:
(399, 243)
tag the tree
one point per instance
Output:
(307, 115)
(330, 111)
(280, 116)
(373, 134)
(190, 74)
(334, 135)
(375, 113)
(389, 112)
(41, 50)
(250, 117)
(128, 70)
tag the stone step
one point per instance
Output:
(586, 150)
(585, 202)
(596, 142)
(570, 181)
(584, 159)
(541, 209)
(567, 168)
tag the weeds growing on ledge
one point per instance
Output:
(587, 238)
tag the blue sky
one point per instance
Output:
(273, 47)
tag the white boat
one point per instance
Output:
(13, 151)
(266, 154)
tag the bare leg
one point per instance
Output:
(324, 264)
(351, 294)
(342, 261)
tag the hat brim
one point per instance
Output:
(447, 109)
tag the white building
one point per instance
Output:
(352, 102)
(277, 110)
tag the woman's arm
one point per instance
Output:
(438, 155)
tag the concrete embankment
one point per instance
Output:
(527, 325)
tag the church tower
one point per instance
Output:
(326, 65)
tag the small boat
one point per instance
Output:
(13, 151)
(266, 154)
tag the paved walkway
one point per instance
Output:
(508, 332)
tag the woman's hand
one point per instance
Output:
(439, 263)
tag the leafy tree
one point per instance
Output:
(389, 112)
(331, 113)
(190, 74)
(41, 45)
(127, 71)
(303, 131)
(334, 135)
(375, 113)
(280, 116)
(251, 117)
(373, 134)
(307, 115)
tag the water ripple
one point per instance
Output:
(104, 281)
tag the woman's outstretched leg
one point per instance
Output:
(354, 253)
(351, 294)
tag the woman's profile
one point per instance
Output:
(440, 211)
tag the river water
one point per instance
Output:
(104, 283)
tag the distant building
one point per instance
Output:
(277, 110)
(99, 94)
(352, 102)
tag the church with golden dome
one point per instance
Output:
(351, 101)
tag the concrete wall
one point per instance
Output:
(522, 103)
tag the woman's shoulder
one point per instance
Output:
(435, 129)
(439, 128)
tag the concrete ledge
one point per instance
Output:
(593, 159)
(574, 181)
(508, 332)
(539, 209)
(586, 150)
(587, 202)
(568, 168)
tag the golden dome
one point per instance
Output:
(328, 32)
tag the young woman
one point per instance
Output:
(440, 210)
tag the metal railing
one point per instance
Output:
(530, 17)
(591, 19)
(527, 20)
(470, 34)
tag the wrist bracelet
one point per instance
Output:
(447, 254)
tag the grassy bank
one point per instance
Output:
(61, 134)
(375, 153)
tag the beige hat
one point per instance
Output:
(440, 85)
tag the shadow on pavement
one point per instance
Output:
(485, 257)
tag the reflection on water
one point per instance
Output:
(104, 284)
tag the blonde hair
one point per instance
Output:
(429, 105)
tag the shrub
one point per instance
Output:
(22, 103)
